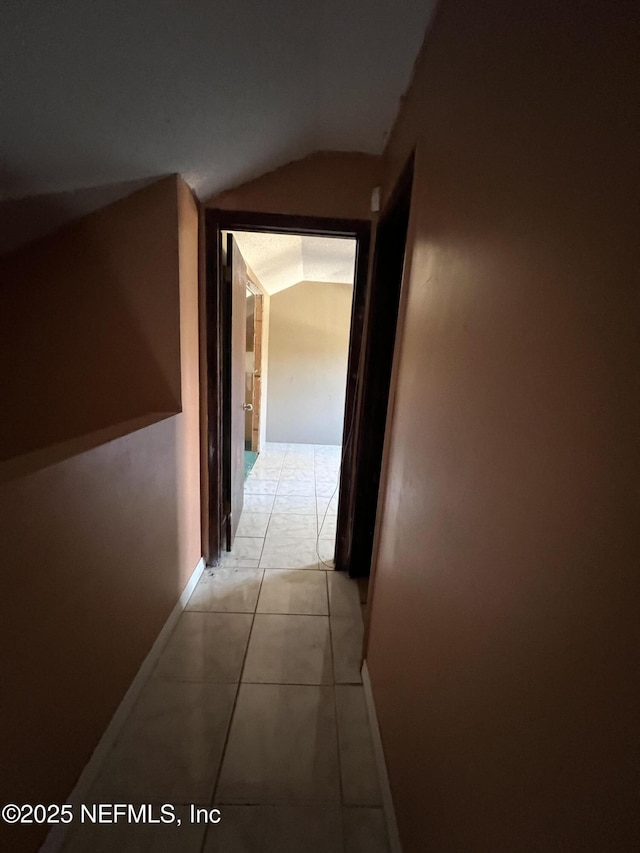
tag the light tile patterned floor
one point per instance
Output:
(256, 704)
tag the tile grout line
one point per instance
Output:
(324, 518)
(335, 711)
(244, 658)
(320, 566)
(223, 753)
(235, 698)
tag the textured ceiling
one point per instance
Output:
(282, 260)
(95, 94)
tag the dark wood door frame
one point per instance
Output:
(358, 504)
(217, 327)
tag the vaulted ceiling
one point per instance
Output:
(282, 260)
(104, 94)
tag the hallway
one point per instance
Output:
(256, 704)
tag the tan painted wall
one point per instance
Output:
(93, 354)
(504, 628)
(97, 548)
(188, 448)
(327, 183)
(308, 349)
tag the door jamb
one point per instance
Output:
(217, 221)
(359, 505)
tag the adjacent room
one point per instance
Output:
(299, 292)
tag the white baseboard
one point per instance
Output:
(56, 837)
(385, 787)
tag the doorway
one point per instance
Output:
(374, 317)
(227, 277)
(307, 283)
(359, 502)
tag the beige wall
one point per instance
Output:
(96, 547)
(94, 351)
(504, 631)
(308, 348)
(327, 183)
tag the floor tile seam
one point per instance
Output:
(288, 569)
(289, 613)
(335, 713)
(226, 612)
(280, 801)
(261, 612)
(235, 703)
(167, 680)
(324, 518)
(310, 615)
(328, 684)
(284, 570)
(264, 539)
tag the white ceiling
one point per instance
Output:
(282, 260)
(98, 94)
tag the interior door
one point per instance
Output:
(357, 510)
(236, 279)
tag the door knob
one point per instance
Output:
(247, 407)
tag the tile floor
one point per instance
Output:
(256, 704)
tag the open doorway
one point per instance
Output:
(375, 308)
(302, 393)
(307, 283)
(358, 508)
(304, 286)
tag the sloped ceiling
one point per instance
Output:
(282, 260)
(94, 95)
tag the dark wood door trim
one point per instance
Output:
(237, 353)
(214, 360)
(376, 353)
(347, 474)
(217, 334)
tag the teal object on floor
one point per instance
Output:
(250, 457)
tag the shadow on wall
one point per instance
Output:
(101, 544)
(325, 183)
(28, 218)
(90, 347)
(94, 545)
